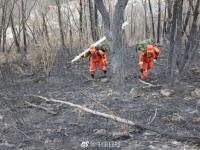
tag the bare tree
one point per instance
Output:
(152, 20)
(92, 20)
(192, 37)
(62, 37)
(115, 34)
(171, 56)
(145, 18)
(24, 25)
(16, 40)
(159, 21)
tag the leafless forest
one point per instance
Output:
(48, 102)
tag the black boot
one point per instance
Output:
(92, 75)
(105, 72)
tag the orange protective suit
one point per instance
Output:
(146, 59)
(96, 58)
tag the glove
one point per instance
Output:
(141, 70)
(155, 59)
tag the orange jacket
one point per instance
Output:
(96, 56)
(148, 56)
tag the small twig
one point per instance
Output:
(41, 107)
(156, 110)
(28, 137)
(146, 83)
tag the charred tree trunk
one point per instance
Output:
(117, 46)
(14, 33)
(117, 41)
(187, 18)
(106, 18)
(178, 38)
(169, 19)
(171, 56)
(24, 25)
(62, 37)
(165, 22)
(45, 30)
(192, 37)
(92, 20)
(159, 21)
(3, 25)
(81, 23)
(152, 20)
(96, 20)
(145, 19)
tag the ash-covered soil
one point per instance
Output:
(61, 127)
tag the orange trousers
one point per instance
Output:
(100, 63)
(145, 66)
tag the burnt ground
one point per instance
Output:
(27, 128)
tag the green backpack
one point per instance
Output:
(142, 45)
(102, 47)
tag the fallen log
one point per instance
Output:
(177, 137)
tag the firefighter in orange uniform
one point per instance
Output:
(97, 57)
(146, 59)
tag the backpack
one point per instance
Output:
(102, 47)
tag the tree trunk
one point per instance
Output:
(96, 20)
(117, 46)
(186, 20)
(81, 24)
(3, 25)
(92, 20)
(191, 39)
(159, 21)
(45, 30)
(106, 18)
(145, 19)
(169, 19)
(171, 56)
(61, 25)
(24, 25)
(14, 34)
(152, 20)
(165, 22)
(178, 38)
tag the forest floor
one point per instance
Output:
(62, 127)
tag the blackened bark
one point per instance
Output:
(145, 19)
(24, 25)
(169, 12)
(45, 30)
(61, 25)
(192, 37)
(186, 20)
(14, 33)
(165, 22)
(105, 16)
(117, 45)
(171, 57)
(92, 20)
(152, 20)
(81, 23)
(178, 44)
(159, 21)
(96, 20)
